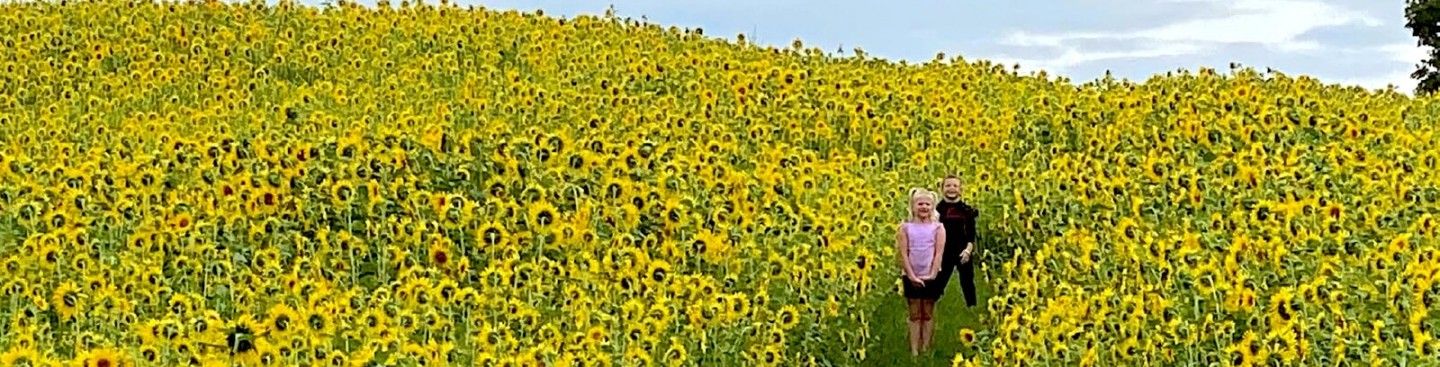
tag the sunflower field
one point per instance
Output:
(213, 183)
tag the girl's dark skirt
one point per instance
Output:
(932, 290)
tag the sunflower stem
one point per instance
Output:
(353, 270)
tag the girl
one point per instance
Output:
(920, 241)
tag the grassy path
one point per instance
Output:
(890, 335)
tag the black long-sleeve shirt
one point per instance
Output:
(959, 220)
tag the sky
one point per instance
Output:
(1353, 42)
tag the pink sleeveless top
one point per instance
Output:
(922, 244)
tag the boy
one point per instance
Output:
(959, 220)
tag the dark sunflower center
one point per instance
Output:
(317, 322)
(492, 235)
(239, 340)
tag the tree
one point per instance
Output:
(1422, 17)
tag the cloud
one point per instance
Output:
(1399, 78)
(1405, 52)
(1403, 55)
(1269, 22)
(1299, 46)
(1275, 24)
(1026, 39)
(1071, 57)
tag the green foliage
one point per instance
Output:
(1422, 18)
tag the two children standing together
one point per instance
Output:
(937, 240)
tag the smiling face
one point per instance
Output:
(951, 187)
(921, 206)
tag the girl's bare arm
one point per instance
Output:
(939, 251)
(901, 240)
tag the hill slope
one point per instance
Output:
(235, 183)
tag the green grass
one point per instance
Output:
(890, 344)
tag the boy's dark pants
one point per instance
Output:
(967, 278)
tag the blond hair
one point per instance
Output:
(920, 192)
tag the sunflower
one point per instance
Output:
(266, 353)
(101, 358)
(659, 272)
(12, 265)
(241, 339)
(1282, 310)
(542, 216)
(771, 355)
(440, 254)
(788, 317)
(149, 354)
(373, 320)
(967, 337)
(676, 354)
(319, 322)
(342, 192)
(18, 356)
(49, 255)
(68, 300)
(181, 222)
(151, 332)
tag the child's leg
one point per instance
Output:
(967, 281)
(927, 325)
(916, 309)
